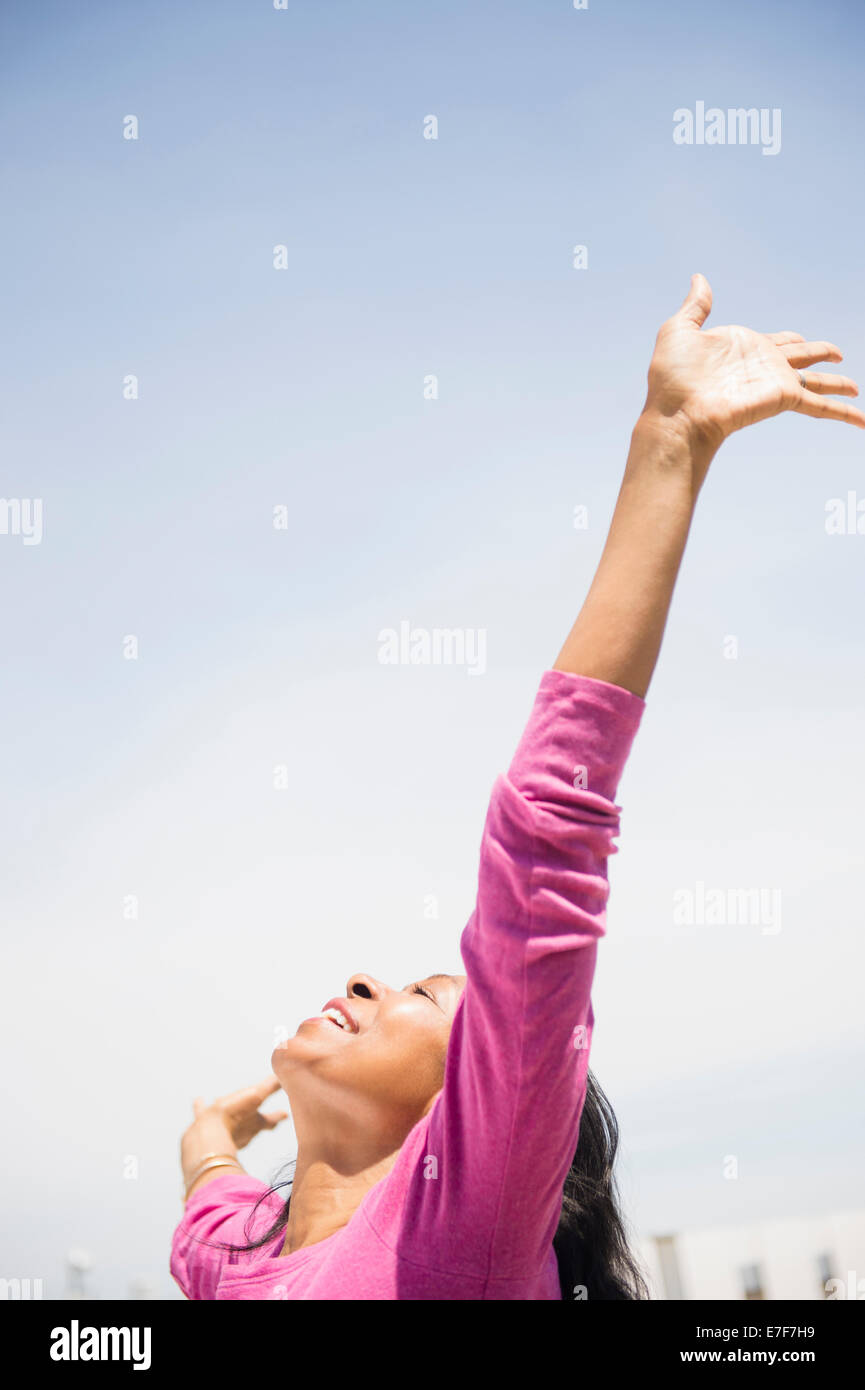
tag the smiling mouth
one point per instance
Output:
(338, 1018)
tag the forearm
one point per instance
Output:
(617, 635)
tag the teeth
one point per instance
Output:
(337, 1018)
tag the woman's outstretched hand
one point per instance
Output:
(711, 382)
(704, 384)
(223, 1127)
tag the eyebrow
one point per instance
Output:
(450, 978)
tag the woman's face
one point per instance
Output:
(388, 1059)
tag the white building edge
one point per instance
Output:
(798, 1257)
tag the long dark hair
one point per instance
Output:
(591, 1243)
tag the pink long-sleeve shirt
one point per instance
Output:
(471, 1205)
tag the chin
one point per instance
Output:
(305, 1046)
(284, 1054)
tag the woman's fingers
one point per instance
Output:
(826, 383)
(800, 353)
(251, 1097)
(804, 354)
(256, 1095)
(818, 387)
(824, 408)
(273, 1118)
(779, 339)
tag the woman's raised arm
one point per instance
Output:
(703, 386)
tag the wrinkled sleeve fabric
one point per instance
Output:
(503, 1131)
(222, 1212)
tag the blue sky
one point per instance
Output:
(304, 388)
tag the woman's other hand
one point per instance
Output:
(222, 1128)
(708, 383)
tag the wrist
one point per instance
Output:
(675, 443)
(208, 1134)
(211, 1166)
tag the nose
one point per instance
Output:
(364, 987)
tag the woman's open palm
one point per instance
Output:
(718, 380)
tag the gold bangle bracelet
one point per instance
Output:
(217, 1161)
(205, 1157)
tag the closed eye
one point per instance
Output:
(428, 994)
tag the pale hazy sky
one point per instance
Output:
(258, 648)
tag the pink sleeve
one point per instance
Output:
(221, 1212)
(503, 1132)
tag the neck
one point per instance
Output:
(325, 1196)
(342, 1152)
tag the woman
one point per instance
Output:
(437, 1124)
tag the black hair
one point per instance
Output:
(591, 1242)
